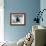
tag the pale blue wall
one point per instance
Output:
(43, 6)
(30, 7)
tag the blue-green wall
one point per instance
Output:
(30, 7)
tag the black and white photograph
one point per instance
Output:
(17, 18)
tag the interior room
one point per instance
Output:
(22, 23)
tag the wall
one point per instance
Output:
(43, 6)
(1, 21)
(30, 7)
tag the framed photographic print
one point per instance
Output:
(17, 19)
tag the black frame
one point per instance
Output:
(18, 24)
